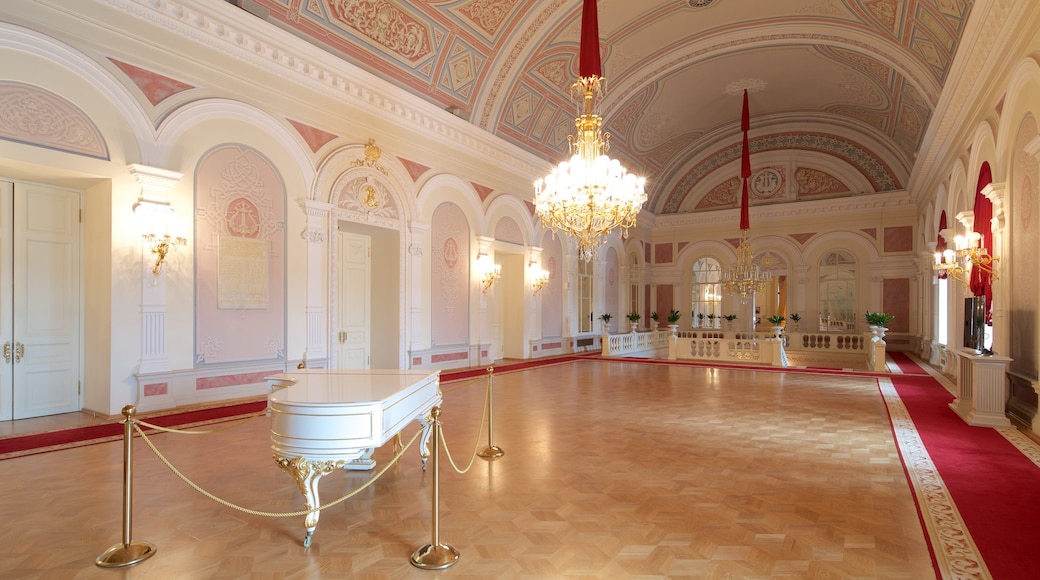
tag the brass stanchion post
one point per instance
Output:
(435, 555)
(492, 451)
(128, 552)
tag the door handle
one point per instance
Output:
(19, 352)
(342, 336)
(7, 352)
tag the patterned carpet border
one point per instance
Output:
(955, 553)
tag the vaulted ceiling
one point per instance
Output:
(841, 91)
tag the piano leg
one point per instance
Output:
(424, 441)
(307, 474)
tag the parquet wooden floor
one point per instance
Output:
(612, 470)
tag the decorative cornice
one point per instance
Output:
(960, 99)
(831, 208)
(220, 27)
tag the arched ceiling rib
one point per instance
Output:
(869, 71)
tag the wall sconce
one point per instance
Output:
(489, 271)
(539, 278)
(156, 221)
(968, 253)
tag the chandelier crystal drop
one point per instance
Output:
(590, 194)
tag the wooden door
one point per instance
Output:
(353, 335)
(40, 305)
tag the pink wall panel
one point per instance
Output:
(663, 253)
(239, 257)
(896, 300)
(664, 302)
(899, 239)
(552, 293)
(451, 280)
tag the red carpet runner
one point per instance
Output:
(992, 484)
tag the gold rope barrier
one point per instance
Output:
(492, 451)
(128, 552)
(244, 420)
(226, 503)
(476, 444)
(435, 555)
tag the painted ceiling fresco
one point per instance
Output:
(841, 91)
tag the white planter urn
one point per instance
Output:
(635, 325)
(878, 332)
(777, 330)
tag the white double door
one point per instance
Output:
(40, 304)
(354, 301)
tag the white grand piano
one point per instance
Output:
(328, 419)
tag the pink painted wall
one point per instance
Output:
(896, 300)
(239, 257)
(552, 293)
(451, 280)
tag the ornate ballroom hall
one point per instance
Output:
(198, 194)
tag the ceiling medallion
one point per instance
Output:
(701, 3)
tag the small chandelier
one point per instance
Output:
(969, 253)
(745, 278)
(590, 194)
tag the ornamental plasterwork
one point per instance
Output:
(371, 158)
(366, 196)
(770, 261)
(38, 117)
(385, 24)
(859, 90)
(487, 15)
(313, 235)
(768, 183)
(816, 182)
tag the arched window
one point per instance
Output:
(707, 293)
(838, 276)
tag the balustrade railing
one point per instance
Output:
(745, 347)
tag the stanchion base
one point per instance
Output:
(121, 555)
(491, 452)
(439, 557)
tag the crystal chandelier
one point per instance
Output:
(590, 194)
(745, 278)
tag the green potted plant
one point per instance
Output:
(633, 319)
(700, 320)
(795, 318)
(711, 320)
(878, 318)
(877, 322)
(606, 321)
(654, 317)
(673, 317)
(729, 320)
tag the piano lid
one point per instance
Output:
(342, 386)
